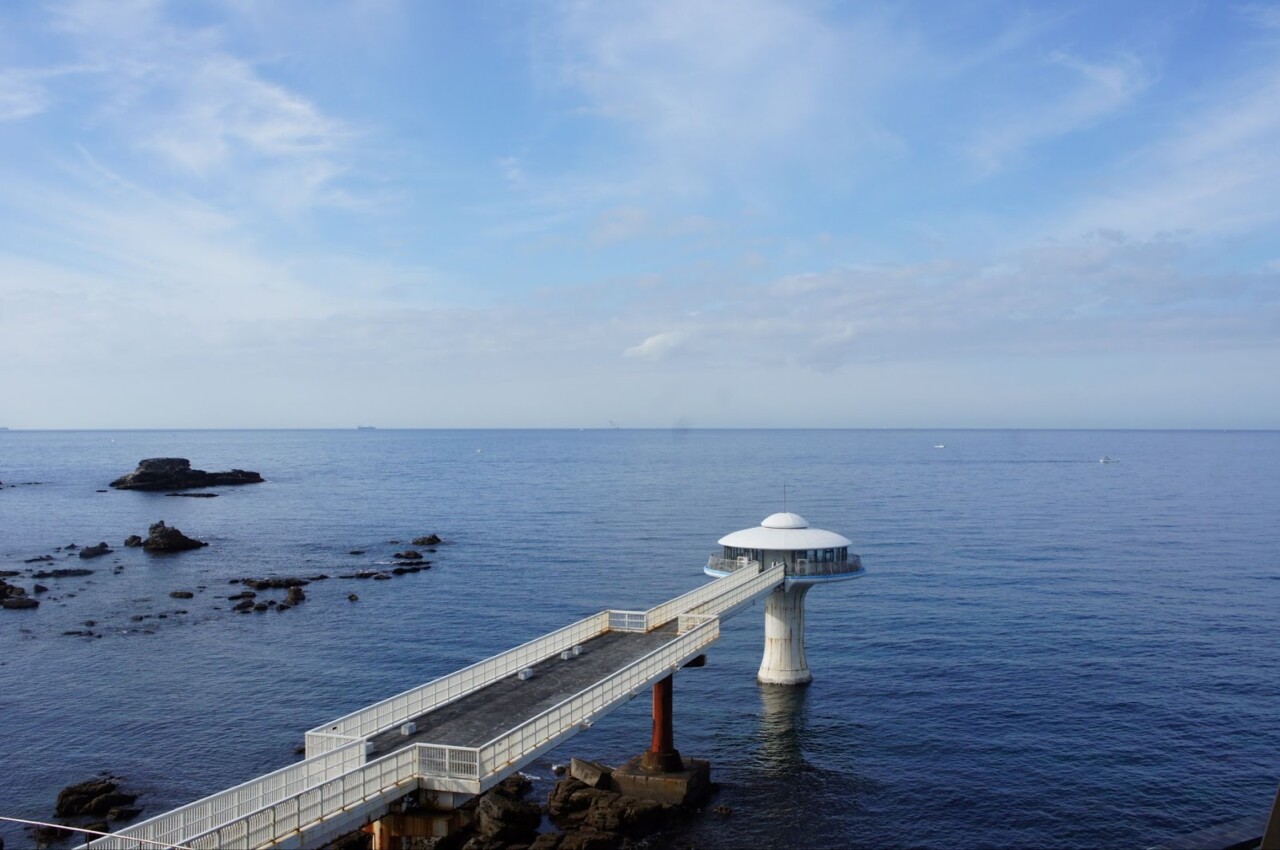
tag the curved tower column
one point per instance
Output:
(784, 662)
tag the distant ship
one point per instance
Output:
(366, 428)
(1105, 459)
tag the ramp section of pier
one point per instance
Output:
(461, 733)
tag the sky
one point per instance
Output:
(698, 213)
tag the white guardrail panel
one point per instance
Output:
(551, 725)
(389, 776)
(668, 611)
(744, 592)
(628, 621)
(404, 707)
(234, 803)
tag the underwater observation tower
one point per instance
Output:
(811, 556)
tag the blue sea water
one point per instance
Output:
(1047, 651)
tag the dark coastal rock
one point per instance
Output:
(36, 560)
(39, 588)
(16, 603)
(133, 541)
(503, 818)
(12, 573)
(356, 552)
(408, 555)
(164, 538)
(429, 540)
(246, 605)
(182, 594)
(47, 836)
(352, 597)
(295, 595)
(248, 594)
(175, 473)
(596, 816)
(95, 797)
(63, 573)
(95, 551)
(274, 583)
(194, 495)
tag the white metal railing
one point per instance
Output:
(371, 784)
(404, 707)
(826, 568)
(226, 806)
(319, 743)
(668, 610)
(688, 622)
(266, 811)
(628, 621)
(442, 760)
(555, 724)
(731, 565)
(746, 591)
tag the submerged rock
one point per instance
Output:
(175, 473)
(429, 540)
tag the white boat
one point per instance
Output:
(1105, 459)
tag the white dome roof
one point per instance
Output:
(787, 520)
(785, 532)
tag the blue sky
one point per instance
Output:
(742, 213)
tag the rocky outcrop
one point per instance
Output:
(95, 551)
(429, 540)
(97, 797)
(62, 573)
(175, 473)
(164, 538)
(15, 598)
(133, 541)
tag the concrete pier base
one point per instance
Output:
(784, 662)
(686, 787)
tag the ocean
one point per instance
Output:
(1046, 651)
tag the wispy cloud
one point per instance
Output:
(658, 346)
(714, 87)
(1085, 94)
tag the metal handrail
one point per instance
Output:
(217, 809)
(668, 610)
(393, 711)
(547, 729)
(826, 568)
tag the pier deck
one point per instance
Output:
(474, 726)
(485, 714)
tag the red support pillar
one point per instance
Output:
(662, 756)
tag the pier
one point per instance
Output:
(457, 736)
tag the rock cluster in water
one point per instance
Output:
(587, 813)
(91, 805)
(175, 473)
(165, 538)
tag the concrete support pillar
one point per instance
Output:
(662, 756)
(784, 662)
